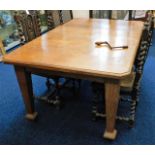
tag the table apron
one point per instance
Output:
(50, 74)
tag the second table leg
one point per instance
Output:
(112, 92)
(25, 83)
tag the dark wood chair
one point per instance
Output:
(108, 14)
(66, 15)
(103, 14)
(28, 26)
(57, 17)
(130, 86)
(149, 21)
(54, 19)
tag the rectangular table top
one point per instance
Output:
(71, 48)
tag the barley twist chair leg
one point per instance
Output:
(132, 113)
(96, 95)
(48, 84)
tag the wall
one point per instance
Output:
(81, 13)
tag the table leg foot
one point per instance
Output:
(32, 116)
(110, 135)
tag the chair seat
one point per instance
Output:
(128, 82)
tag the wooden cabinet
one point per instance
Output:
(8, 29)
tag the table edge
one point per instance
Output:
(70, 70)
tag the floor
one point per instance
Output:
(72, 124)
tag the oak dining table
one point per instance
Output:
(69, 50)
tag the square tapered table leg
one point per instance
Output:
(25, 83)
(112, 92)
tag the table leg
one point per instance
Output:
(112, 91)
(25, 83)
